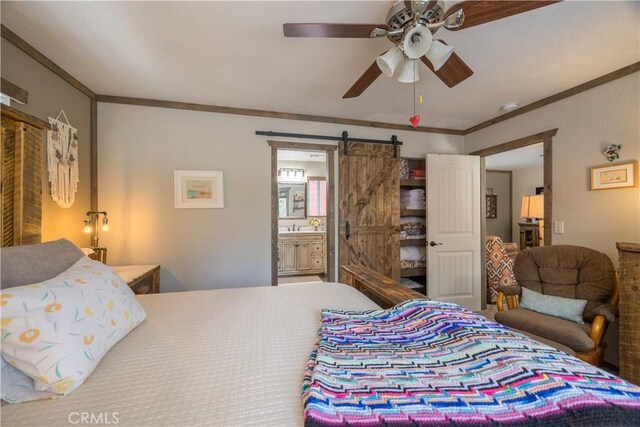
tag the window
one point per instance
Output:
(317, 197)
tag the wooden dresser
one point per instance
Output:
(629, 256)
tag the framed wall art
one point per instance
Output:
(198, 189)
(620, 175)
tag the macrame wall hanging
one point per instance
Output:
(62, 160)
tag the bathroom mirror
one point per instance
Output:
(292, 200)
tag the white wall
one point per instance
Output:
(525, 181)
(139, 149)
(501, 225)
(586, 123)
(48, 94)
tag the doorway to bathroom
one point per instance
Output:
(303, 198)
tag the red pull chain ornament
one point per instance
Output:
(415, 119)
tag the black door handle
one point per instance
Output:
(347, 230)
(432, 243)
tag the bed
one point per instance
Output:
(220, 357)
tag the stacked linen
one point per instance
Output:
(411, 284)
(413, 199)
(413, 227)
(413, 257)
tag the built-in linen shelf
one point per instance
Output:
(413, 242)
(413, 183)
(413, 212)
(410, 272)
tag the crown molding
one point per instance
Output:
(34, 53)
(270, 114)
(622, 72)
(17, 41)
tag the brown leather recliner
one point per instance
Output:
(569, 272)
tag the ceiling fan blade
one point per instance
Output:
(454, 71)
(358, 31)
(365, 80)
(481, 12)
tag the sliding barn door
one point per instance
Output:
(453, 229)
(370, 208)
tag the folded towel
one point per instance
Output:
(413, 253)
(413, 220)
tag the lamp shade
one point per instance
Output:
(536, 206)
(389, 61)
(408, 72)
(438, 54)
(532, 206)
(417, 41)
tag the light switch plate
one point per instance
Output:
(558, 227)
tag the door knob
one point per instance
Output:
(432, 243)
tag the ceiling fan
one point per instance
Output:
(410, 26)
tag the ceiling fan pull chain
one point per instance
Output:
(415, 119)
(414, 89)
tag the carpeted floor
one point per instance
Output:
(489, 312)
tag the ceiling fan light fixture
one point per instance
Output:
(417, 41)
(389, 61)
(454, 20)
(408, 72)
(439, 54)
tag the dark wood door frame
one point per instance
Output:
(330, 226)
(546, 138)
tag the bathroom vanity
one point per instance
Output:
(301, 252)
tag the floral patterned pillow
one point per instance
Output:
(57, 331)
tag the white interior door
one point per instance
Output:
(453, 229)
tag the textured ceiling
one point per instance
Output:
(520, 158)
(234, 54)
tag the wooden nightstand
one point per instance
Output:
(142, 279)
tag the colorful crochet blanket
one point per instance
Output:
(427, 363)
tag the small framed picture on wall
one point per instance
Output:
(611, 176)
(198, 189)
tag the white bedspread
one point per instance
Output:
(229, 357)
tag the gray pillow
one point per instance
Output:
(24, 265)
(566, 308)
